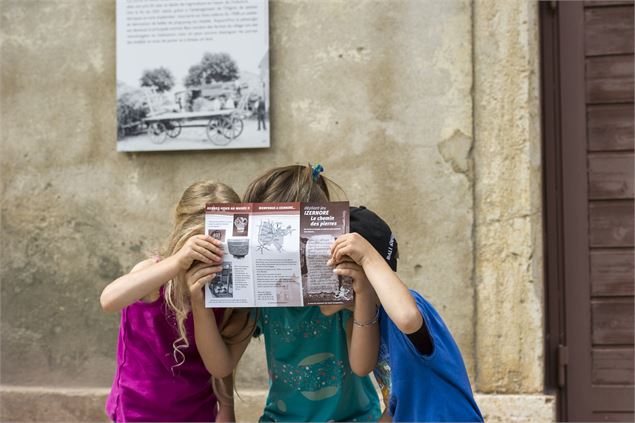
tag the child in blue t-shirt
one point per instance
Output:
(419, 366)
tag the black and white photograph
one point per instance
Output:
(320, 285)
(319, 228)
(238, 247)
(240, 225)
(217, 234)
(222, 286)
(192, 75)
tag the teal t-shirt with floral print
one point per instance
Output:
(310, 378)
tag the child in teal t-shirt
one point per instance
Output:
(310, 377)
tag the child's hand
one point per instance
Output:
(196, 279)
(202, 248)
(385, 417)
(354, 271)
(352, 245)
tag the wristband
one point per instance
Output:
(371, 322)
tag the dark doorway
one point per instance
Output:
(587, 93)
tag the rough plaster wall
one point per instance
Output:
(507, 206)
(377, 91)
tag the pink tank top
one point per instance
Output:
(146, 386)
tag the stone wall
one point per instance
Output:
(401, 101)
(507, 196)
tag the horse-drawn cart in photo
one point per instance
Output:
(163, 121)
(221, 126)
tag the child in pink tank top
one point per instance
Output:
(171, 349)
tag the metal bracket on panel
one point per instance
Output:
(563, 361)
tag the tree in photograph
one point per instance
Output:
(132, 107)
(214, 67)
(161, 78)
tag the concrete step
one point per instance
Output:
(56, 404)
(51, 404)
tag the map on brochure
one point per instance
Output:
(276, 254)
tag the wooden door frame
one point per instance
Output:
(568, 326)
(554, 309)
(577, 293)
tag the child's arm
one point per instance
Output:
(219, 358)
(363, 345)
(385, 416)
(226, 413)
(393, 294)
(147, 276)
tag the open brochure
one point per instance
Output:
(276, 254)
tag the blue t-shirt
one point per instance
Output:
(310, 378)
(424, 388)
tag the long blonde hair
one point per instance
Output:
(189, 221)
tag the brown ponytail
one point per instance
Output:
(288, 184)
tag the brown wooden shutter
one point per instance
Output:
(588, 86)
